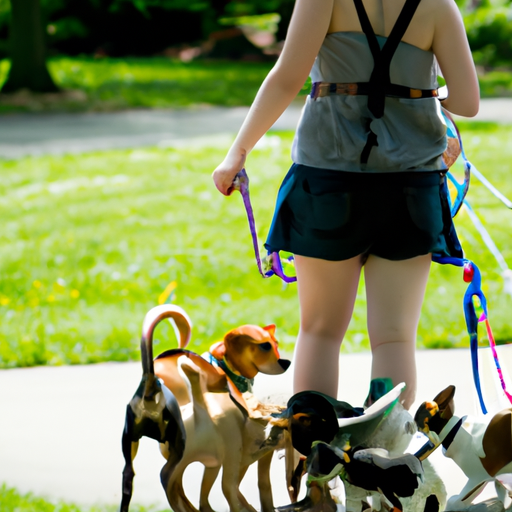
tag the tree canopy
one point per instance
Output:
(147, 27)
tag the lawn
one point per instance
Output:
(115, 84)
(12, 500)
(90, 242)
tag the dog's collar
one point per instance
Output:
(242, 383)
(450, 430)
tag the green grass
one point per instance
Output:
(113, 84)
(496, 83)
(12, 500)
(89, 242)
(116, 84)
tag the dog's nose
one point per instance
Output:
(284, 363)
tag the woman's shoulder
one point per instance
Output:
(430, 16)
(438, 8)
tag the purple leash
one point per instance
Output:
(270, 264)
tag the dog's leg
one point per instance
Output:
(171, 477)
(171, 474)
(241, 498)
(209, 477)
(129, 447)
(232, 474)
(246, 506)
(503, 494)
(128, 475)
(463, 500)
(264, 485)
(318, 499)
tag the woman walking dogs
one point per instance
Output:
(367, 188)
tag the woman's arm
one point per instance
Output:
(453, 54)
(307, 30)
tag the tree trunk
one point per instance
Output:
(27, 49)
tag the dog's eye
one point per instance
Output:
(265, 347)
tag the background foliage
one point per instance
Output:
(147, 27)
(136, 27)
(489, 28)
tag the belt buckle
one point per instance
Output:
(348, 89)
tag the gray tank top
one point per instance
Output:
(333, 130)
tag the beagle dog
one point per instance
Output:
(232, 362)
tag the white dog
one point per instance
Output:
(483, 449)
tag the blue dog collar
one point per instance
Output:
(242, 383)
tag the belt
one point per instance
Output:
(320, 89)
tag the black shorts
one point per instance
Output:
(335, 215)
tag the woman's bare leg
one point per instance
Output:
(394, 295)
(327, 292)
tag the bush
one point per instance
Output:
(489, 29)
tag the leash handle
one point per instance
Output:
(271, 264)
(241, 183)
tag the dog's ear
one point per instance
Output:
(444, 400)
(218, 350)
(271, 329)
(251, 333)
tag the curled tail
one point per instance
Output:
(151, 320)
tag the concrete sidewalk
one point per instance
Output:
(37, 134)
(60, 433)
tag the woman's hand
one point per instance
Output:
(225, 173)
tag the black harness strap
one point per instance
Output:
(367, 28)
(370, 142)
(380, 81)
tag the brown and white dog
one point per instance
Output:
(196, 412)
(483, 452)
(240, 356)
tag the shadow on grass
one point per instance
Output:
(116, 84)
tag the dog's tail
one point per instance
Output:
(151, 320)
